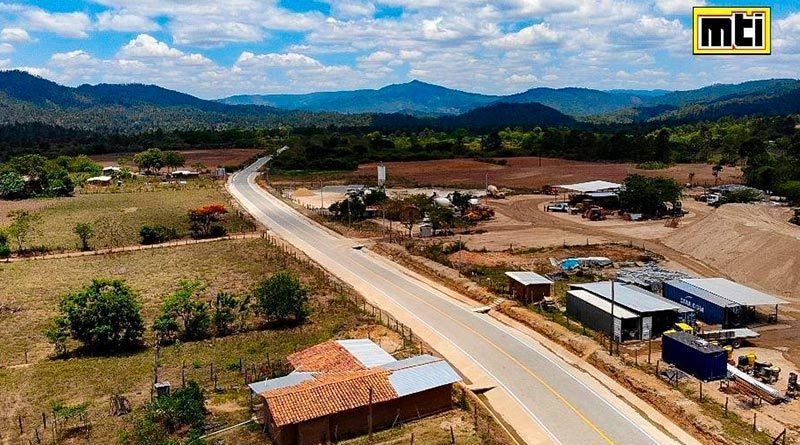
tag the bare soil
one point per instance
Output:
(211, 158)
(526, 173)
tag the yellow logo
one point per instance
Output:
(732, 30)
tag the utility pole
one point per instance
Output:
(321, 198)
(613, 322)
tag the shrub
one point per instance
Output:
(104, 315)
(186, 307)
(206, 221)
(157, 234)
(281, 296)
(741, 196)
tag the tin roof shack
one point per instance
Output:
(655, 314)
(720, 301)
(694, 356)
(529, 287)
(595, 312)
(341, 387)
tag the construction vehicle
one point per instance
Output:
(494, 192)
(680, 327)
(796, 218)
(595, 213)
(766, 372)
(792, 388)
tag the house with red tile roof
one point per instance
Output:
(345, 388)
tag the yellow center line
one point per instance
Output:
(521, 365)
(552, 390)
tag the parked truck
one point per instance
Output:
(722, 337)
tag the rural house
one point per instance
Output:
(344, 388)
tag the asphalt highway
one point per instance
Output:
(565, 404)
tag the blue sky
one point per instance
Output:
(215, 48)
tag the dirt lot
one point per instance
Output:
(525, 172)
(211, 158)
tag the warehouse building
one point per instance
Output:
(720, 301)
(652, 314)
(341, 389)
(529, 287)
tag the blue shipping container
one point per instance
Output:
(710, 308)
(694, 356)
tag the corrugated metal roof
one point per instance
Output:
(734, 292)
(700, 293)
(527, 278)
(281, 382)
(630, 297)
(411, 361)
(602, 304)
(592, 186)
(366, 352)
(421, 374)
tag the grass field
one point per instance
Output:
(128, 210)
(29, 389)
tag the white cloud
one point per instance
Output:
(38, 71)
(377, 57)
(5, 63)
(123, 22)
(6, 48)
(145, 45)
(14, 35)
(678, 7)
(410, 54)
(66, 24)
(277, 60)
(522, 78)
(77, 57)
(534, 35)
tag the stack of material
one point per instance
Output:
(749, 385)
(650, 277)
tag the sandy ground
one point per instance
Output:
(525, 172)
(211, 158)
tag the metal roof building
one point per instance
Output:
(720, 301)
(594, 312)
(655, 314)
(592, 187)
(314, 407)
(529, 287)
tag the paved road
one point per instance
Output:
(564, 404)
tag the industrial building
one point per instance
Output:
(643, 315)
(345, 388)
(720, 301)
(695, 356)
(529, 287)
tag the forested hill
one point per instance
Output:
(137, 108)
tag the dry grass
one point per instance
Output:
(129, 210)
(28, 390)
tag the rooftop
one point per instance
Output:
(630, 297)
(527, 278)
(302, 396)
(592, 186)
(602, 304)
(734, 292)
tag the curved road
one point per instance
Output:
(549, 400)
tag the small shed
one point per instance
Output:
(100, 180)
(529, 287)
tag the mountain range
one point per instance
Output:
(136, 108)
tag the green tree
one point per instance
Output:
(24, 226)
(150, 160)
(85, 233)
(166, 415)
(281, 297)
(173, 160)
(643, 194)
(12, 186)
(442, 218)
(226, 306)
(186, 306)
(57, 333)
(5, 249)
(105, 316)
